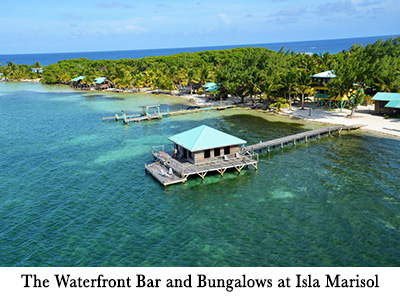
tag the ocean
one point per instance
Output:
(315, 46)
(74, 191)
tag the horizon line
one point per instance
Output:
(206, 46)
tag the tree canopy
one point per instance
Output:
(248, 72)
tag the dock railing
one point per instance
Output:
(230, 162)
(183, 170)
(160, 153)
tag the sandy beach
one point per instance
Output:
(364, 115)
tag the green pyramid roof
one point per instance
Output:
(204, 137)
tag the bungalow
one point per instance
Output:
(102, 83)
(203, 143)
(37, 70)
(387, 103)
(76, 81)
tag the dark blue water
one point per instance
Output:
(73, 191)
(315, 46)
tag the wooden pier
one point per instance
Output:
(168, 170)
(146, 116)
(293, 139)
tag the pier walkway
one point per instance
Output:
(280, 142)
(128, 118)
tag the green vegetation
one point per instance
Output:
(242, 72)
(14, 71)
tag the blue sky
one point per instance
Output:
(100, 25)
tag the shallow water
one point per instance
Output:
(74, 192)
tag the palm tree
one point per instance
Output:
(289, 81)
(303, 83)
(191, 78)
(11, 70)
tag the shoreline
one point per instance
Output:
(363, 115)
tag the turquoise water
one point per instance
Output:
(74, 192)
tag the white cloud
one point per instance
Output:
(133, 28)
(225, 18)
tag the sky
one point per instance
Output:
(51, 26)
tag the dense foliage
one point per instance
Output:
(242, 72)
(14, 71)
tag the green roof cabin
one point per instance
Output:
(196, 152)
(204, 143)
(102, 83)
(387, 103)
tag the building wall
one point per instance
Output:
(381, 109)
(199, 156)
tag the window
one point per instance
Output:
(207, 154)
(217, 152)
(227, 150)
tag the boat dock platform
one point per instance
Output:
(168, 170)
(147, 115)
(280, 142)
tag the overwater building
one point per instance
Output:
(198, 151)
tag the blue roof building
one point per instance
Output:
(210, 87)
(99, 80)
(387, 103)
(77, 79)
(204, 143)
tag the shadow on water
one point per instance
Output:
(100, 97)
